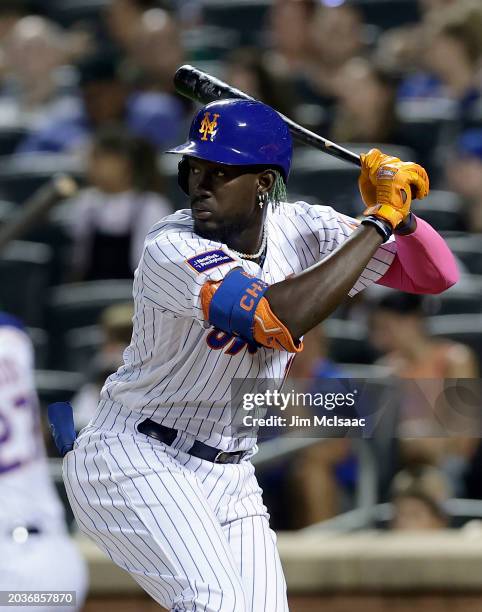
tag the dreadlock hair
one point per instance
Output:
(278, 191)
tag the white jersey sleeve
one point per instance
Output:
(19, 437)
(173, 269)
(333, 228)
(28, 496)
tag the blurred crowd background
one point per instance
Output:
(86, 88)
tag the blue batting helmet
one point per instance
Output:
(239, 133)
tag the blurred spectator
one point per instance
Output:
(451, 59)
(289, 23)
(189, 13)
(335, 36)
(116, 326)
(418, 497)
(464, 175)
(401, 49)
(123, 20)
(323, 476)
(431, 6)
(11, 11)
(35, 50)
(312, 42)
(366, 104)
(398, 331)
(156, 51)
(248, 70)
(105, 99)
(111, 218)
(319, 477)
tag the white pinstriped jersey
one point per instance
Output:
(177, 369)
(47, 560)
(27, 493)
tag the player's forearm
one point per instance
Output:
(304, 300)
(423, 264)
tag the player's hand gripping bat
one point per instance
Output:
(202, 87)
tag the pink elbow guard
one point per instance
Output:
(423, 264)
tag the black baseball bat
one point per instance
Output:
(202, 87)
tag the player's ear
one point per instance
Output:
(266, 180)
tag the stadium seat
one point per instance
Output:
(22, 174)
(248, 17)
(348, 342)
(427, 124)
(324, 179)
(56, 385)
(461, 328)
(81, 345)
(443, 210)
(10, 138)
(7, 209)
(79, 305)
(210, 43)
(327, 180)
(25, 273)
(40, 340)
(358, 370)
(469, 250)
(462, 298)
(388, 13)
(70, 12)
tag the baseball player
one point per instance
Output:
(36, 551)
(160, 478)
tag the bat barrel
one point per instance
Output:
(201, 87)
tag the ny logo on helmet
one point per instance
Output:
(208, 127)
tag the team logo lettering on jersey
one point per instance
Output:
(219, 340)
(209, 259)
(208, 127)
(248, 302)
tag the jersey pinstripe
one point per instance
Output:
(170, 373)
(194, 534)
(47, 560)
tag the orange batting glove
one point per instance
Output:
(387, 186)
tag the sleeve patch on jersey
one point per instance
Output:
(208, 260)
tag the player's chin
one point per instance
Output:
(207, 229)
